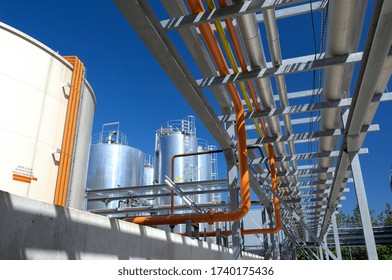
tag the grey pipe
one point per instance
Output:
(345, 17)
(252, 41)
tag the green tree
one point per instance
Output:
(346, 220)
(385, 217)
(359, 253)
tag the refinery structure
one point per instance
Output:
(67, 193)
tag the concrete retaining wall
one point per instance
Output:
(31, 229)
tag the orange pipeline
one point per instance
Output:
(278, 221)
(69, 131)
(239, 51)
(212, 217)
(197, 154)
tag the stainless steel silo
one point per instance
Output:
(148, 178)
(113, 164)
(207, 170)
(204, 172)
(174, 138)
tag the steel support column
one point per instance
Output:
(363, 207)
(336, 237)
(320, 251)
(234, 203)
(326, 244)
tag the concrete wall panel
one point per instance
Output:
(31, 229)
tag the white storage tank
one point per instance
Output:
(36, 135)
(113, 164)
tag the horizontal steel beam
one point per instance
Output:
(295, 95)
(208, 183)
(306, 136)
(153, 195)
(313, 192)
(296, 10)
(287, 12)
(289, 66)
(311, 183)
(302, 94)
(155, 209)
(266, 176)
(298, 121)
(304, 108)
(304, 156)
(305, 172)
(225, 12)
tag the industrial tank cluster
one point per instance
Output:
(114, 164)
(46, 114)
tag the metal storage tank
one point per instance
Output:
(207, 170)
(204, 169)
(148, 177)
(34, 123)
(113, 164)
(173, 138)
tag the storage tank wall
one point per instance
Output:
(112, 166)
(34, 82)
(177, 137)
(170, 145)
(148, 178)
(203, 172)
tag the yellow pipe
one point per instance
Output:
(233, 63)
(268, 148)
(239, 52)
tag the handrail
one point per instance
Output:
(172, 170)
(69, 131)
(197, 154)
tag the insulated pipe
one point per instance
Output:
(69, 131)
(252, 40)
(211, 217)
(241, 58)
(344, 26)
(276, 57)
(345, 18)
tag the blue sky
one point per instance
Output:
(131, 87)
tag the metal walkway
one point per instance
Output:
(317, 132)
